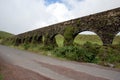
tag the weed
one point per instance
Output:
(26, 46)
(74, 53)
(1, 77)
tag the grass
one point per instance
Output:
(59, 40)
(75, 53)
(116, 40)
(92, 53)
(5, 34)
(81, 39)
(1, 77)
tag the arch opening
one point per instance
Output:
(18, 41)
(30, 40)
(87, 36)
(39, 39)
(116, 39)
(59, 40)
(23, 40)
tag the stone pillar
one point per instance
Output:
(17, 41)
(29, 39)
(107, 39)
(69, 35)
(23, 40)
(34, 39)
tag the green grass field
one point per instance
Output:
(81, 39)
(116, 40)
(59, 40)
(5, 34)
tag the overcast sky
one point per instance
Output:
(18, 16)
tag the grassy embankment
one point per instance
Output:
(4, 35)
(1, 77)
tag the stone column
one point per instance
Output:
(69, 35)
(107, 39)
(17, 41)
(23, 40)
(34, 39)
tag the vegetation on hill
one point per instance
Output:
(5, 34)
(81, 39)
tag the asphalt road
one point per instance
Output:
(56, 69)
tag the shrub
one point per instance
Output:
(26, 46)
(92, 48)
(68, 35)
(74, 53)
(109, 55)
(47, 48)
(1, 77)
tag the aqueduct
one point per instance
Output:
(105, 24)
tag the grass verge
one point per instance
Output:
(91, 53)
(1, 77)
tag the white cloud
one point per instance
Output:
(17, 16)
(59, 11)
(86, 7)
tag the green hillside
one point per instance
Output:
(4, 35)
(81, 39)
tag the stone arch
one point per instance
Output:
(18, 41)
(82, 37)
(27, 39)
(49, 40)
(34, 39)
(30, 39)
(39, 39)
(116, 39)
